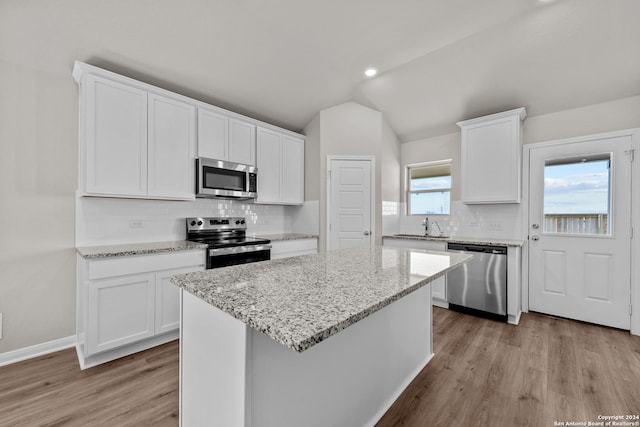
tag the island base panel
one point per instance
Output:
(233, 375)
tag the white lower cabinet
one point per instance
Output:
(438, 286)
(120, 312)
(129, 304)
(297, 247)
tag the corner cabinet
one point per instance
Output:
(128, 304)
(491, 158)
(280, 162)
(133, 142)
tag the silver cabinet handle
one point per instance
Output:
(535, 226)
(535, 238)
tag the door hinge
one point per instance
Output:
(630, 310)
(631, 236)
(631, 154)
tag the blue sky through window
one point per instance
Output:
(431, 203)
(581, 188)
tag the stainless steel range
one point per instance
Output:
(227, 241)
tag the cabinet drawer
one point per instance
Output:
(100, 269)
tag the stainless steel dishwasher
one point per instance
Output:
(480, 286)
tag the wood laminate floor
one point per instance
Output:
(484, 373)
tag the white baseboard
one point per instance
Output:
(36, 350)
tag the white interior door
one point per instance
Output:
(350, 222)
(580, 230)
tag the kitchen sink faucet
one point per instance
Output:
(425, 222)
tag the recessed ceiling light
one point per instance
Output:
(370, 72)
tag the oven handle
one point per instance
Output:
(238, 250)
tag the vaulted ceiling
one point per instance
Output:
(282, 61)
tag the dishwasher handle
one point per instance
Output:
(466, 247)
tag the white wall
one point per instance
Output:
(349, 129)
(391, 177)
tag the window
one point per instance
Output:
(577, 195)
(429, 188)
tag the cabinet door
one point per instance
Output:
(116, 138)
(168, 300)
(121, 311)
(491, 162)
(213, 134)
(242, 142)
(171, 148)
(268, 159)
(292, 170)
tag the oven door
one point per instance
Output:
(225, 257)
(216, 178)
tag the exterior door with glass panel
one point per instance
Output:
(579, 230)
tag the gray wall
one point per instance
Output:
(38, 170)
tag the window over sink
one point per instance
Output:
(429, 188)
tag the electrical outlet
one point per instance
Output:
(136, 223)
(0, 326)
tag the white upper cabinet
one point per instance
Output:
(269, 159)
(223, 138)
(213, 134)
(171, 148)
(133, 142)
(140, 141)
(242, 142)
(115, 129)
(280, 162)
(491, 158)
(292, 170)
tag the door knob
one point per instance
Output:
(535, 238)
(366, 233)
(535, 226)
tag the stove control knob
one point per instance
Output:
(237, 222)
(242, 222)
(193, 223)
(199, 222)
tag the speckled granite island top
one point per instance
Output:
(458, 239)
(131, 249)
(302, 301)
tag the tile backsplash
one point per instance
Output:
(497, 221)
(105, 221)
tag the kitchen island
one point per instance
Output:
(317, 340)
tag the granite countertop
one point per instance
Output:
(302, 301)
(131, 249)
(286, 236)
(459, 239)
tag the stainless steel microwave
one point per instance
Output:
(225, 180)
